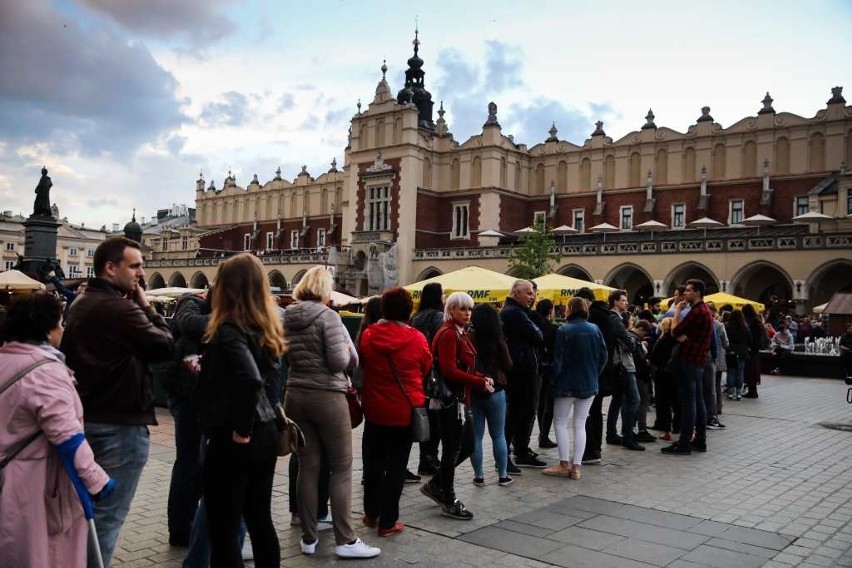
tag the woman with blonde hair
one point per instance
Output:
(320, 351)
(239, 386)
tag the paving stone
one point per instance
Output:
(547, 519)
(651, 553)
(586, 538)
(756, 537)
(721, 558)
(523, 528)
(742, 547)
(576, 557)
(512, 542)
(642, 531)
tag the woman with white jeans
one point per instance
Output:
(579, 356)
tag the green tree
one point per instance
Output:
(534, 255)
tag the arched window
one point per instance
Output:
(454, 174)
(562, 177)
(816, 151)
(293, 203)
(635, 178)
(538, 184)
(661, 168)
(849, 149)
(586, 174)
(362, 137)
(782, 156)
(504, 173)
(324, 202)
(689, 164)
(718, 171)
(476, 172)
(750, 159)
(609, 172)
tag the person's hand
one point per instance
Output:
(51, 274)
(104, 493)
(138, 296)
(489, 384)
(237, 439)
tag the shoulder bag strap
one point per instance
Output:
(23, 444)
(399, 381)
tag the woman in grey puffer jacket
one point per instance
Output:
(320, 352)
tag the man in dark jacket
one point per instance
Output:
(112, 334)
(178, 377)
(625, 396)
(524, 383)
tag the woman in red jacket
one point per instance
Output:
(456, 359)
(395, 358)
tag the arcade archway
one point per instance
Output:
(575, 271)
(277, 280)
(177, 280)
(687, 270)
(430, 272)
(760, 280)
(634, 279)
(156, 281)
(825, 281)
(199, 280)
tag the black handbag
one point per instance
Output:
(732, 360)
(435, 387)
(419, 418)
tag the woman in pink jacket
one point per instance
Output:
(41, 418)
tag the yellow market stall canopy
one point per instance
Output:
(722, 299)
(559, 288)
(483, 285)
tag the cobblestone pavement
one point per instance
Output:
(774, 489)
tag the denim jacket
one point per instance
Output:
(579, 357)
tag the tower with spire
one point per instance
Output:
(414, 90)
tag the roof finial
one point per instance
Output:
(552, 132)
(441, 110)
(767, 105)
(649, 120)
(416, 41)
(134, 215)
(359, 106)
(384, 68)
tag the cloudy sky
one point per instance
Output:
(126, 101)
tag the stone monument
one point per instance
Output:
(40, 234)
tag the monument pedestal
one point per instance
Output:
(39, 246)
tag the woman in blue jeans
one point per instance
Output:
(493, 361)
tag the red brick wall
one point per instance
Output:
(232, 237)
(435, 215)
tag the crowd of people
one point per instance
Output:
(77, 402)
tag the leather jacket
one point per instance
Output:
(109, 342)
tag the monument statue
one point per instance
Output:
(41, 208)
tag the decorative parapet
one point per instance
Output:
(366, 237)
(699, 244)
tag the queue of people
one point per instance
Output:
(466, 366)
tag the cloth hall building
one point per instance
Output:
(409, 202)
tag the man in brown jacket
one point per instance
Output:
(112, 333)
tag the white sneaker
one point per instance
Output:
(309, 549)
(358, 549)
(324, 523)
(248, 553)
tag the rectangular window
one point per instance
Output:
(270, 240)
(626, 215)
(320, 238)
(90, 272)
(849, 202)
(461, 220)
(72, 251)
(247, 241)
(165, 244)
(9, 265)
(184, 243)
(73, 270)
(735, 212)
(580, 220)
(10, 246)
(378, 209)
(90, 253)
(539, 219)
(294, 239)
(678, 216)
(802, 205)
